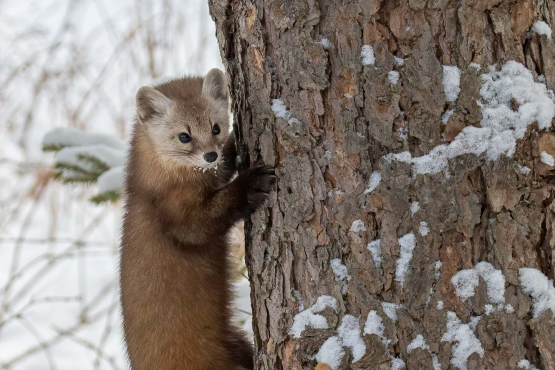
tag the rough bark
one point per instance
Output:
(345, 117)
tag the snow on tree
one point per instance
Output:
(408, 150)
(88, 158)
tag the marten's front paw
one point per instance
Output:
(258, 181)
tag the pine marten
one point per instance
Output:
(181, 202)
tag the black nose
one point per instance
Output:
(211, 157)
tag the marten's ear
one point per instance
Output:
(215, 86)
(151, 102)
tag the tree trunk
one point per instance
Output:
(359, 81)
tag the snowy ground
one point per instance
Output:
(75, 64)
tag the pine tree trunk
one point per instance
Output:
(338, 117)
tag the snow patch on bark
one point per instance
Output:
(547, 159)
(414, 207)
(417, 342)
(424, 229)
(398, 61)
(280, 110)
(540, 288)
(341, 274)
(375, 249)
(374, 324)
(390, 310)
(407, 243)
(466, 341)
(367, 55)
(393, 77)
(451, 82)
(349, 333)
(325, 43)
(357, 226)
(465, 282)
(375, 179)
(525, 364)
(542, 28)
(331, 353)
(310, 318)
(501, 126)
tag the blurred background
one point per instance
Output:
(76, 64)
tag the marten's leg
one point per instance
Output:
(240, 349)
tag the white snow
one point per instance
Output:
(435, 362)
(495, 281)
(357, 226)
(401, 157)
(448, 113)
(439, 305)
(509, 308)
(414, 207)
(525, 364)
(393, 77)
(340, 270)
(417, 342)
(375, 249)
(331, 353)
(524, 170)
(109, 156)
(398, 61)
(299, 299)
(475, 66)
(547, 159)
(451, 82)
(407, 243)
(367, 55)
(540, 288)
(111, 179)
(437, 269)
(489, 308)
(326, 43)
(349, 333)
(474, 320)
(397, 364)
(500, 127)
(467, 343)
(423, 228)
(309, 316)
(542, 28)
(280, 110)
(374, 324)
(464, 282)
(375, 179)
(65, 137)
(390, 310)
(341, 274)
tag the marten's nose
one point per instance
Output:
(210, 157)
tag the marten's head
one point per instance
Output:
(187, 119)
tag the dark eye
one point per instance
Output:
(184, 138)
(216, 129)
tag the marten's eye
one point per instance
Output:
(184, 138)
(216, 129)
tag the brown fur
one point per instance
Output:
(175, 279)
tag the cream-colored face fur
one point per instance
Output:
(166, 130)
(198, 118)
